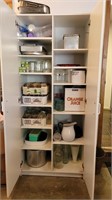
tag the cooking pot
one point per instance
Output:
(36, 158)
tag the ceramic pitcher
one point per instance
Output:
(68, 132)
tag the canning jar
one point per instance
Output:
(46, 66)
(39, 66)
(60, 76)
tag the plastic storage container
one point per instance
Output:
(71, 41)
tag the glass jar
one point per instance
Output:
(65, 154)
(46, 66)
(39, 66)
(59, 104)
(32, 66)
(58, 156)
(60, 76)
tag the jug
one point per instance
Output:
(68, 131)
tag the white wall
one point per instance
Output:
(108, 72)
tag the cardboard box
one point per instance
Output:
(37, 100)
(78, 76)
(75, 99)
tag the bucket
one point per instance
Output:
(100, 155)
(36, 158)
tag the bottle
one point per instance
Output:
(58, 157)
(65, 154)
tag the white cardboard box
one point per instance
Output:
(75, 99)
(37, 100)
(78, 76)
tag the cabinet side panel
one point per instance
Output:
(11, 90)
(92, 93)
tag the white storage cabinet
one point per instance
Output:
(85, 20)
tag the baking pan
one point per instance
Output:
(32, 7)
(28, 50)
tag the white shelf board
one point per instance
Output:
(69, 84)
(72, 67)
(70, 51)
(68, 112)
(49, 104)
(36, 127)
(77, 141)
(45, 147)
(35, 56)
(44, 169)
(35, 73)
(41, 39)
(70, 167)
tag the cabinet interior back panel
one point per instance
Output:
(37, 20)
(59, 32)
(71, 59)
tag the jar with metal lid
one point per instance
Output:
(39, 66)
(32, 66)
(46, 66)
(60, 76)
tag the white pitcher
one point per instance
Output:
(68, 132)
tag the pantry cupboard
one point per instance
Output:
(88, 23)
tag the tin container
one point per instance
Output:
(71, 41)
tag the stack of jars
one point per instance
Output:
(35, 66)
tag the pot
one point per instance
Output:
(36, 158)
(68, 131)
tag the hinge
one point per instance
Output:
(21, 164)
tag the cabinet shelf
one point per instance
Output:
(35, 73)
(35, 56)
(44, 169)
(45, 147)
(49, 104)
(72, 67)
(77, 141)
(69, 84)
(70, 51)
(40, 39)
(68, 112)
(36, 127)
(71, 167)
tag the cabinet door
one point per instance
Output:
(95, 47)
(11, 90)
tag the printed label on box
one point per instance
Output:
(75, 99)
